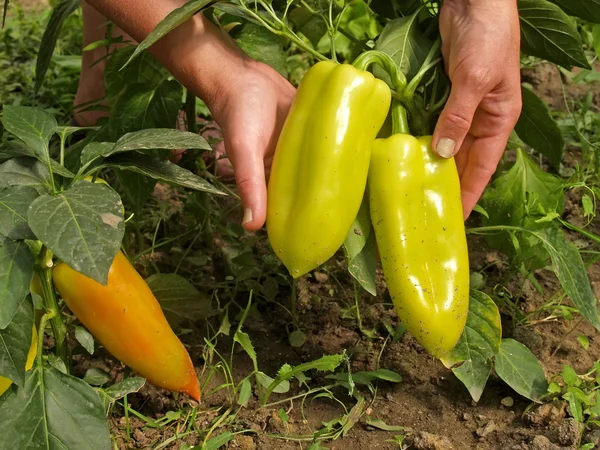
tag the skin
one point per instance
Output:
(249, 100)
(481, 51)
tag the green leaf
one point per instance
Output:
(18, 148)
(381, 425)
(263, 46)
(24, 171)
(366, 378)
(83, 226)
(85, 338)
(279, 386)
(359, 232)
(245, 393)
(364, 266)
(518, 198)
(145, 105)
(520, 369)
(217, 441)
(59, 14)
(548, 33)
(16, 273)
(309, 24)
(588, 10)
(478, 344)
(95, 150)
(297, 338)
(145, 70)
(15, 341)
(33, 126)
(169, 23)
(538, 129)
(402, 40)
(179, 299)
(571, 272)
(570, 376)
(96, 377)
(244, 340)
(161, 170)
(14, 203)
(159, 138)
(117, 391)
(53, 411)
(135, 188)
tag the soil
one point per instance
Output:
(430, 402)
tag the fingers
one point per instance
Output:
(483, 157)
(456, 118)
(250, 179)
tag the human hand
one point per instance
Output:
(481, 51)
(251, 112)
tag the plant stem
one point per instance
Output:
(399, 118)
(51, 303)
(190, 112)
(365, 60)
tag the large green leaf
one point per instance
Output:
(161, 170)
(538, 129)
(403, 41)
(18, 149)
(53, 411)
(548, 33)
(262, 45)
(83, 226)
(33, 126)
(179, 299)
(588, 10)
(16, 272)
(520, 369)
(59, 14)
(520, 197)
(14, 203)
(15, 341)
(24, 171)
(478, 344)
(145, 105)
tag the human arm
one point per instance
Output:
(481, 51)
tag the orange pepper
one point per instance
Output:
(125, 317)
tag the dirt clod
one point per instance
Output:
(568, 432)
(489, 427)
(242, 443)
(508, 402)
(543, 443)
(429, 441)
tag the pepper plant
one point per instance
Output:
(51, 212)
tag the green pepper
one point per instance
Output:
(320, 167)
(417, 216)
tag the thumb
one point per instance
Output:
(248, 166)
(456, 118)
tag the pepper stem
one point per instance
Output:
(366, 59)
(399, 118)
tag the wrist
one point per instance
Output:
(203, 58)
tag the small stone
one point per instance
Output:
(543, 443)
(467, 417)
(489, 427)
(508, 402)
(429, 441)
(321, 277)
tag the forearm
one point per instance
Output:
(197, 52)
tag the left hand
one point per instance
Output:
(481, 51)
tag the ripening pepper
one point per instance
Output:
(417, 215)
(31, 354)
(125, 317)
(320, 167)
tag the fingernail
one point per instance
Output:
(445, 148)
(247, 216)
